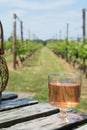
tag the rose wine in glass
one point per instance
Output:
(64, 92)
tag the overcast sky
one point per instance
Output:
(43, 18)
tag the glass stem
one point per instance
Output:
(63, 115)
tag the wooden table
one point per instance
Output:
(27, 114)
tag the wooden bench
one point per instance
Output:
(27, 114)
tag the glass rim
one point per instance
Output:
(73, 74)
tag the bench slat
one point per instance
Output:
(11, 117)
(82, 127)
(35, 117)
(44, 123)
(8, 96)
(11, 104)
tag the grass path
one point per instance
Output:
(33, 78)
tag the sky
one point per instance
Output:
(43, 19)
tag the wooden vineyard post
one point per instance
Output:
(14, 41)
(1, 40)
(67, 32)
(21, 23)
(84, 23)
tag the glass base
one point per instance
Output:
(72, 117)
(65, 118)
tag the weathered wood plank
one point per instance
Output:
(11, 117)
(11, 104)
(8, 96)
(82, 127)
(45, 123)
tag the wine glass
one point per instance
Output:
(64, 90)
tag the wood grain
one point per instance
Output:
(11, 117)
(49, 122)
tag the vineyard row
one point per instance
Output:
(73, 52)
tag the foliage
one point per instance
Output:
(73, 52)
(8, 46)
(23, 49)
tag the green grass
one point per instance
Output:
(82, 107)
(33, 77)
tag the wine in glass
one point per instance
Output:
(64, 90)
